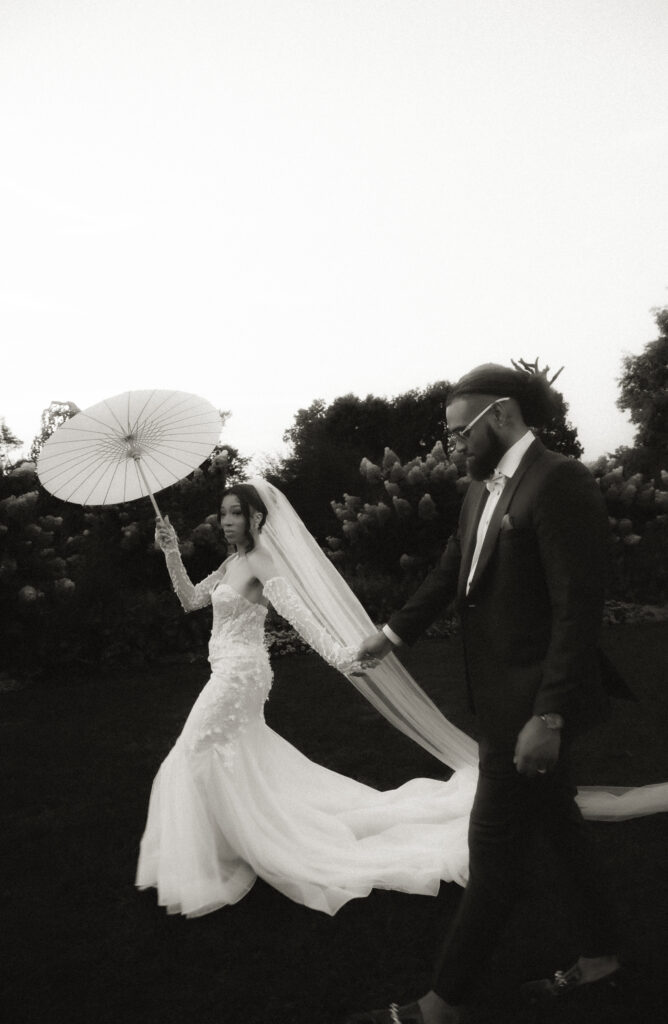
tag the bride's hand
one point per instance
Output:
(165, 535)
(352, 664)
(361, 668)
(361, 665)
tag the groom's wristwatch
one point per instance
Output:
(552, 720)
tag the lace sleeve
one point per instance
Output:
(192, 596)
(287, 603)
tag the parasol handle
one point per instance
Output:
(140, 470)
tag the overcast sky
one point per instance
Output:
(267, 203)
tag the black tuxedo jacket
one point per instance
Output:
(532, 616)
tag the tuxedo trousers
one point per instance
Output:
(508, 810)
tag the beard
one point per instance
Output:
(483, 464)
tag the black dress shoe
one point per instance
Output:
(566, 982)
(409, 1014)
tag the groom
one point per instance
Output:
(526, 567)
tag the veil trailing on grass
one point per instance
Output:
(389, 687)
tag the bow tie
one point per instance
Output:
(495, 482)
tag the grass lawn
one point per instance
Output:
(80, 944)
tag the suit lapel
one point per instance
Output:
(502, 506)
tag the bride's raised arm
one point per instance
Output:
(192, 596)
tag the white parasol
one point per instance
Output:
(128, 446)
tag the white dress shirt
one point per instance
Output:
(506, 469)
(495, 484)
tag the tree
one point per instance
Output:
(644, 394)
(53, 417)
(328, 443)
(8, 442)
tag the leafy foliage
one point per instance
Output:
(644, 394)
(638, 515)
(53, 417)
(8, 442)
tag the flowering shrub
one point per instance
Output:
(638, 515)
(393, 532)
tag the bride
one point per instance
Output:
(233, 800)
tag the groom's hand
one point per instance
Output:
(537, 748)
(374, 647)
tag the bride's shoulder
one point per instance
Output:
(222, 568)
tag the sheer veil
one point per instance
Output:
(322, 589)
(389, 687)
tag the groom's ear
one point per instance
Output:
(510, 413)
(500, 413)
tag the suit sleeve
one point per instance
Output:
(433, 595)
(572, 531)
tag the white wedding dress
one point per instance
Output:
(233, 800)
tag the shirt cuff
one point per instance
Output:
(391, 635)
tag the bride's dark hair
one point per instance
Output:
(250, 502)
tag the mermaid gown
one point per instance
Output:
(234, 801)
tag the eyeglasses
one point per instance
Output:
(463, 433)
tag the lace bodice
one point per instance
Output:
(236, 622)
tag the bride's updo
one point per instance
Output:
(251, 503)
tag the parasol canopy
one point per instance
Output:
(128, 447)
